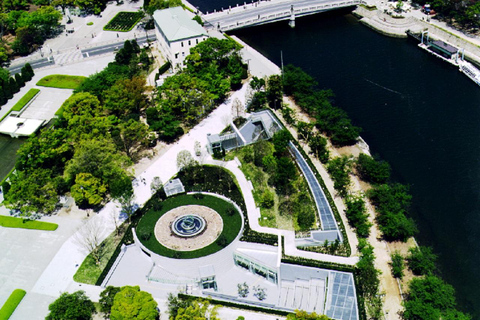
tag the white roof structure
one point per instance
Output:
(20, 127)
(177, 25)
(173, 187)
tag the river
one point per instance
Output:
(417, 112)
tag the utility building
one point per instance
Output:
(177, 33)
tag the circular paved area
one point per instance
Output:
(167, 238)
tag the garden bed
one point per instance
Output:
(231, 219)
(11, 304)
(12, 222)
(61, 81)
(124, 21)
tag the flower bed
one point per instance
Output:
(124, 21)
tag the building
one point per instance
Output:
(177, 33)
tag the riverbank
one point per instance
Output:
(387, 25)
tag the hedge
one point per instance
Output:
(11, 304)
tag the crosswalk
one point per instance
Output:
(68, 57)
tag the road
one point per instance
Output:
(86, 53)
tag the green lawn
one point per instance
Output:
(22, 102)
(12, 222)
(61, 81)
(89, 271)
(231, 228)
(25, 99)
(11, 304)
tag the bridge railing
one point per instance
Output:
(282, 14)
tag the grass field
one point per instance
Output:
(12, 222)
(25, 99)
(61, 81)
(231, 228)
(11, 304)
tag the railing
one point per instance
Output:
(282, 14)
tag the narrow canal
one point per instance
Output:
(417, 112)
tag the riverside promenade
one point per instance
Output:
(416, 21)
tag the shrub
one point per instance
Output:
(371, 170)
(357, 216)
(421, 260)
(305, 219)
(268, 199)
(397, 265)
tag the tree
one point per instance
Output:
(318, 147)
(430, 298)
(131, 303)
(89, 236)
(303, 315)
(32, 192)
(280, 140)
(132, 138)
(237, 109)
(421, 260)
(74, 306)
(13, 85)
(198, 310)
(19, 80)
(274, 91)
(100, 159)
(156, 185)
(185, 160)
(285, 174)
(357, 216)
(305, 218)
(88, 191)
(371, 170)
(106, 299)
(29, 70)
(339, 169)
(127, 96)
(397, 264)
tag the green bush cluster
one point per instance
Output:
(391, 202)
(357, 215)
(397, 264)
(330, 119)
(371, 170)
(123, 21)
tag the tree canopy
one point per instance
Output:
(131, 303)
(73, 306)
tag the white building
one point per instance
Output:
(177, 33)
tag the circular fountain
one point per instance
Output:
(189, 225)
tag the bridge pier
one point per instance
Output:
(291, 23)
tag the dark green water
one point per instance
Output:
(8, 149)
(418, 113)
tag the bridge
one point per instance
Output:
(262, 12)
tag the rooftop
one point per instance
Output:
(20, 127)
(176, 24)
(444, 46)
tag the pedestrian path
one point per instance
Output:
(68, 57)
